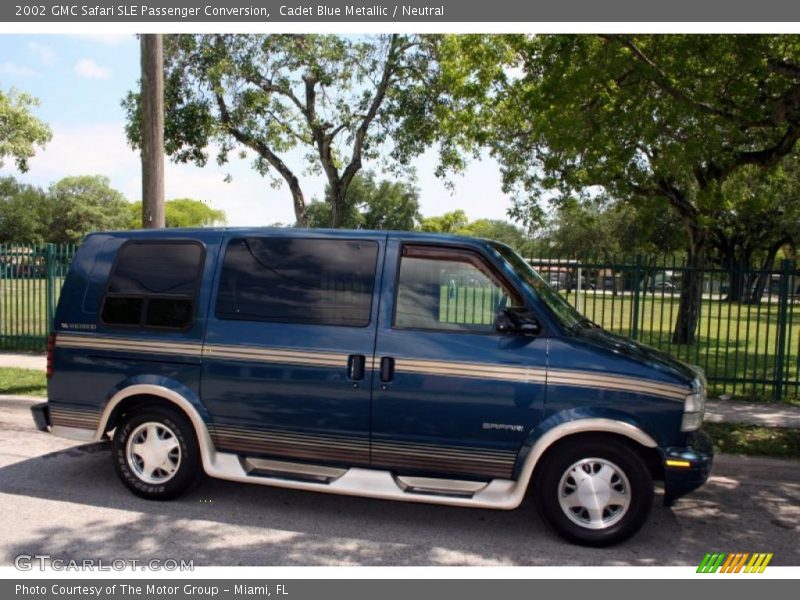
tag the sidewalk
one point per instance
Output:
(23, 361)
(750, 413)
(717, 411)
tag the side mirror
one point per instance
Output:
(516, 321)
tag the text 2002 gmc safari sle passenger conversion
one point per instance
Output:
(400, 366)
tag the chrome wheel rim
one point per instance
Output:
(153, 452)
(594, 493)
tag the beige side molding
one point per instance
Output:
(503, 494)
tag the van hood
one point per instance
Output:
(638, 352)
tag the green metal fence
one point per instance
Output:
(748, 347)
(30, 282)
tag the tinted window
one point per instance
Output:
(156, 268)
(447, 290)
(291, 280)
(153, 284)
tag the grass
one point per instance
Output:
(736, 344)
(734, 438)
(23, 313)
(22, 382)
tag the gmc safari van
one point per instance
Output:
(399, 366)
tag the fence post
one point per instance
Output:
(637, 271)
(50, 284)
(783, 309)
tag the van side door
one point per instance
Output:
(289, 346)
(453, 397)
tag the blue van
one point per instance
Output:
(399, 366)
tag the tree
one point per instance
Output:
(337, 98)
(180, 212)
(25, 212)
(456, 222)
(581, 227)
(450, 222)
(495, 229)
(643, 118)
(152, 129)
(20, 131)
(84, 204)
(761, 214)
(371, 204)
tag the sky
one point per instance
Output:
(80, 81)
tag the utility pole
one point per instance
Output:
(152, 59)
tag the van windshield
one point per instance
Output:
(563, 311)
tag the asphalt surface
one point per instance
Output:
(64, 499)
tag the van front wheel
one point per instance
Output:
(156, 453)
(595, 493)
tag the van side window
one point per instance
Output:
(448, 289)
(298, 280)
(153, 284)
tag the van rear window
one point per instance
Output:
(298, 280)
(153, 284)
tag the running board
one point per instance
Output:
(260, 467)
(367, 483)
(445, 487)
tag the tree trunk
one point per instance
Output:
(338, 206)
(738, 268)
(691, 289)
(152, 65)
(301, 219)
(764, 271)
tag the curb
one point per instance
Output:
(15, 398)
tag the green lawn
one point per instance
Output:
(736, 343)
(22, 382)
(23, 313)
(731, 438)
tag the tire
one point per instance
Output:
(594, 492)
(162, 469)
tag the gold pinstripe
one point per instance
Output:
(121, 344)
(322, 447)
(74, 417)
(283, 356)
(268, 436)
(552, 376)
(455, 451)
(469, 370)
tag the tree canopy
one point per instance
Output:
(25, 212)
(371, 204)
(645, 117)
(20, 131)
(180, 212)
(336, 98)
(82, 204)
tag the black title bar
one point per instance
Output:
(410, 11)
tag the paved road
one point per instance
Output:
(64, 499)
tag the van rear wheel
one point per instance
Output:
(595, 493)
(156, 453)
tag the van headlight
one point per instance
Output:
(694, 407)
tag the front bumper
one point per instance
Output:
(41, 416)
(687, 468)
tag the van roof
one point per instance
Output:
(291, 231)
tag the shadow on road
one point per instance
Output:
(223, 523)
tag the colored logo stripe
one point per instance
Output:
(734, 563)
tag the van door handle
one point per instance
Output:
(356, 364)
(387, 368)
